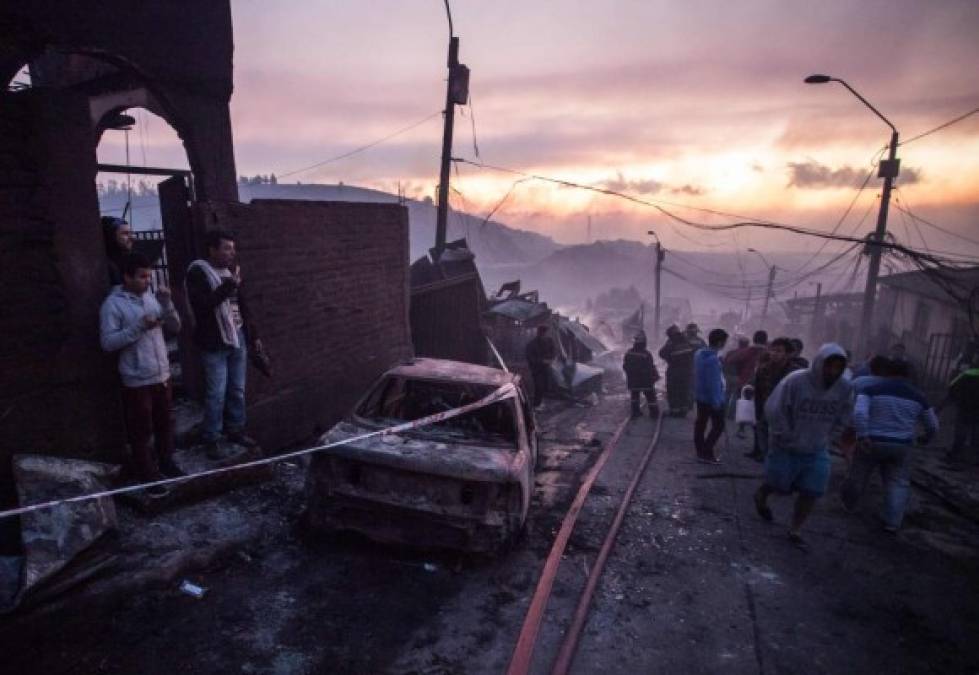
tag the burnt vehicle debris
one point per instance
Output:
(462, 483)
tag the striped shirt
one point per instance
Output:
(889, 412)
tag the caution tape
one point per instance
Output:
(504, 392)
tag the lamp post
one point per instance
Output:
(888, 170)
(769, 292)
(660, 254)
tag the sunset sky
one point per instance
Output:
(698, 103)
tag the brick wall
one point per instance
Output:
(58, 393)
(328, 286)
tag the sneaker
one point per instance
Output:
(762, 508)
(709, 460)
(241, 438)
(170, 469)
(212, 450)
(796, 540)
(890, 529)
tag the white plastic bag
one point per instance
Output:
(744, 411)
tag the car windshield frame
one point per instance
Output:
(380, 408)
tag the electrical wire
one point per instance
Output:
(955, 120)
(361, 148)
(903, 205)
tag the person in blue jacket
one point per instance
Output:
(709, 393)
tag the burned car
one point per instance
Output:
(461, 483)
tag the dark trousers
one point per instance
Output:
(650, 395)
(542, 380)
(149, 417)
(705, 413)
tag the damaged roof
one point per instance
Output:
(456, 371)
(581, 333)
(519, 310)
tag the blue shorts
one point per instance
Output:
(805, 473)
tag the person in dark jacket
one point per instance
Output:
(641, 376)
(678, 354)
(769, 374)
(540, 353)
(223, 332)
(963, 392)
(118, 238)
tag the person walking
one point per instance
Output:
(641, 376)
(743, 363)
(678, 354)
(539, 354)
(223, 332)
(131, 323)
(886, 416)
(963, 393)
(807, 410)
(709, 393)
(731, 364)
(767, 377)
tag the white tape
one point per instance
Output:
(506, 391)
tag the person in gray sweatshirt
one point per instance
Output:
(131, 323)
(807, 410)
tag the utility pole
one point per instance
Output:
(887, 170)
(769, 292)
(456, 93)
(660, 256)
(817, 313)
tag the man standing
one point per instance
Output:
(117, 235)
(131, 322)
(768, 376)
(678, 354)
(540, 353)
(222, 330)
(709, 392)
(795, 357)
(641, 376)
(886, 416)
(807, 410)
(963, 392)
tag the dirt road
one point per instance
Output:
(696, 584)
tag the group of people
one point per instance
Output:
(133, 320)
(873, 413)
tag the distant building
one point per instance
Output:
(930, 315)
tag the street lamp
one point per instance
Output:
(771, 281)
(660, 254)
(888, 170)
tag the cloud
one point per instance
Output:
(688, 189)
(643, 187)
(812, 175)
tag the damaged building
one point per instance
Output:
(328, 281)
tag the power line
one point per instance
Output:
(764, 224)
(903, 206)
(941, 126)
(362, 148)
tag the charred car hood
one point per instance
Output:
(424, 455)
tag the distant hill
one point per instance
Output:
(494, 243)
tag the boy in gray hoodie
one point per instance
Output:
(807, 410)
(131, 323)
